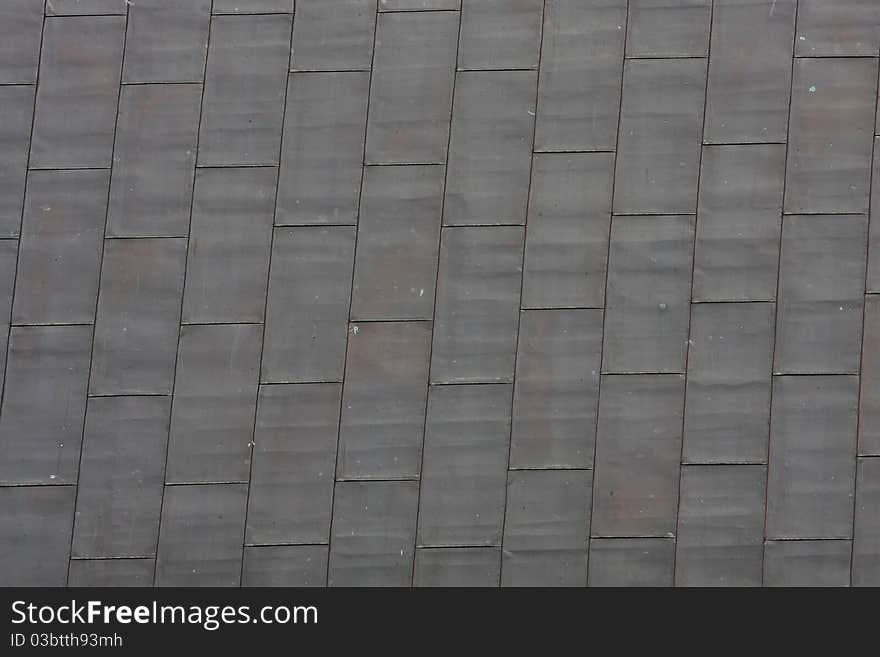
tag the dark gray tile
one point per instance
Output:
(323, 148)
(285, 565)
(567, 233)
(228, 262)
(107, 573)
(121, 477)
(727, 417)
(661, 124)
(464, 470)
(374, 526)
(21, 24)
(138, 315)
(668, 28)
(812, 469)
(35, 525)
(498, 34)
(307, 310)
(17, 109)
(411, 97)
(167, 41)
(383, 404)
(84, 7)
(541, 548)
(749, 70)
(637, 455)
(721, 525)
(869, 403)
(648, 294)
(490, 148)
(473, 567)
(557, 389)
(333, 35)
(807, 563)
(59, 261)
(736, 257)
(215, 398)
(78, 92)
(843, 27)
(821, 294)
(8, 260)
(152, 184)
(579, 86)
(873, 278)
(253, 6)
(200, 542)
(416, 5)
(832, 119)
(294, 461)
(44, 404)
(866, 548)
(477, 305)
(635, 562)
(398, 242)
(244, 90)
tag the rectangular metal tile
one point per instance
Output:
(285, 565)
(468, 567)
(417, 5)
(807, 563)
(323, 148)
(17, 110)
(821, 288)
(661, 125)
(579, 85)
(557, 389)
(294, 461)
(839, 28)
(215, 398)
(308, 302)
(477, 305)
(333, 35)
(567, 232)
(107, 573)
(727, 418)
(35, 524)
(200, 542)
(244, 90)
(637, 455)
(374, 526)
(8, 261)
(721, 525)
(500, 34)
(152, 184)
(383, 403)
(869, 402)
(866, 546)
(59, 260)
(635, 562)
(44, 404)
(873, 277)
(542, 549)
(398, 241)
(138, 316)
(464, 470)
(736, 256)
(832, 119)
(84, 7)
(228, 262)
(253, 6)
(167, 41)
(490, 148)
(668, 28)
(812, 469)
(649, 290)
(21, 25)
(749, 71)
(121, 477)
(78, 92)
(411, 96)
